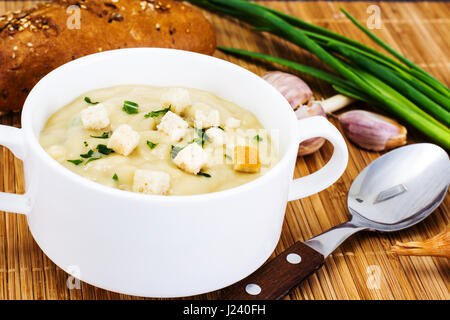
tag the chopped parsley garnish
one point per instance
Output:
(76, 162)
(204, 174)
(157, 113)
(174, 151)
(92, 159)
(86, 144)
(88, 154)
(227, 156)
(202, 137)
(221, 128)
(105, 135)
(104, 149)
(88, 100)
(258, 138)
(151, 145)
(115, 177)
(130, 107)
(92, 155)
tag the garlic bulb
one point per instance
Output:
(294, 89)
(438, 246)
(311, 145)
(372, 131)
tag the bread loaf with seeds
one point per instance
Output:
(33, 42)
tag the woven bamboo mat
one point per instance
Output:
(362, 268)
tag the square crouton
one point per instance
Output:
(216, 136)
(232, 123)
(123, 140)
(179, 98)
(151, 182)
(95, 117)
(207, 119)
(173, 125)
(246, 159)
(191, 158)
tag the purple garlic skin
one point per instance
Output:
(372, 131)
(294, 89)
(311, 145)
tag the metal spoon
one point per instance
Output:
(394, 192)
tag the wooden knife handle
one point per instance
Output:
(277, 277)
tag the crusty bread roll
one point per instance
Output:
(33, 42)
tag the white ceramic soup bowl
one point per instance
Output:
(160, 246)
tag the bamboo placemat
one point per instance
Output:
(361, 268)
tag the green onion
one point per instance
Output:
(258, 138)
(75, 162)
(317, 73)
(390, 77)
(105, 135)
(157, 113)
(130, 107)
(151, 144)
(88, 100)
(320, 33)
(399, 87)
(115, 177)
(406, 61)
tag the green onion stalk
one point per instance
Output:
(401, 88)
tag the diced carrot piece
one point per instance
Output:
(246, 159)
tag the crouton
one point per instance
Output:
(95, 117)
(207, 119)
(178, 98)
(173, 125)
(151, 182)
(191, 158)
(246, 159)
(216, 136)
(123, 140)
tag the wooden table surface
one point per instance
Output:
(362, 268)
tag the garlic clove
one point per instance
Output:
(336, 103)
(372, 131)
(294, 89)
(309, 146)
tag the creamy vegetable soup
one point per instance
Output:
(154, 140)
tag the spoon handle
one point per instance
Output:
(277, 277)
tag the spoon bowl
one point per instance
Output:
(400, 188)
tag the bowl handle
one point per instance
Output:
(11, 138)
(314, 127)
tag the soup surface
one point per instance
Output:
(159, 140)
